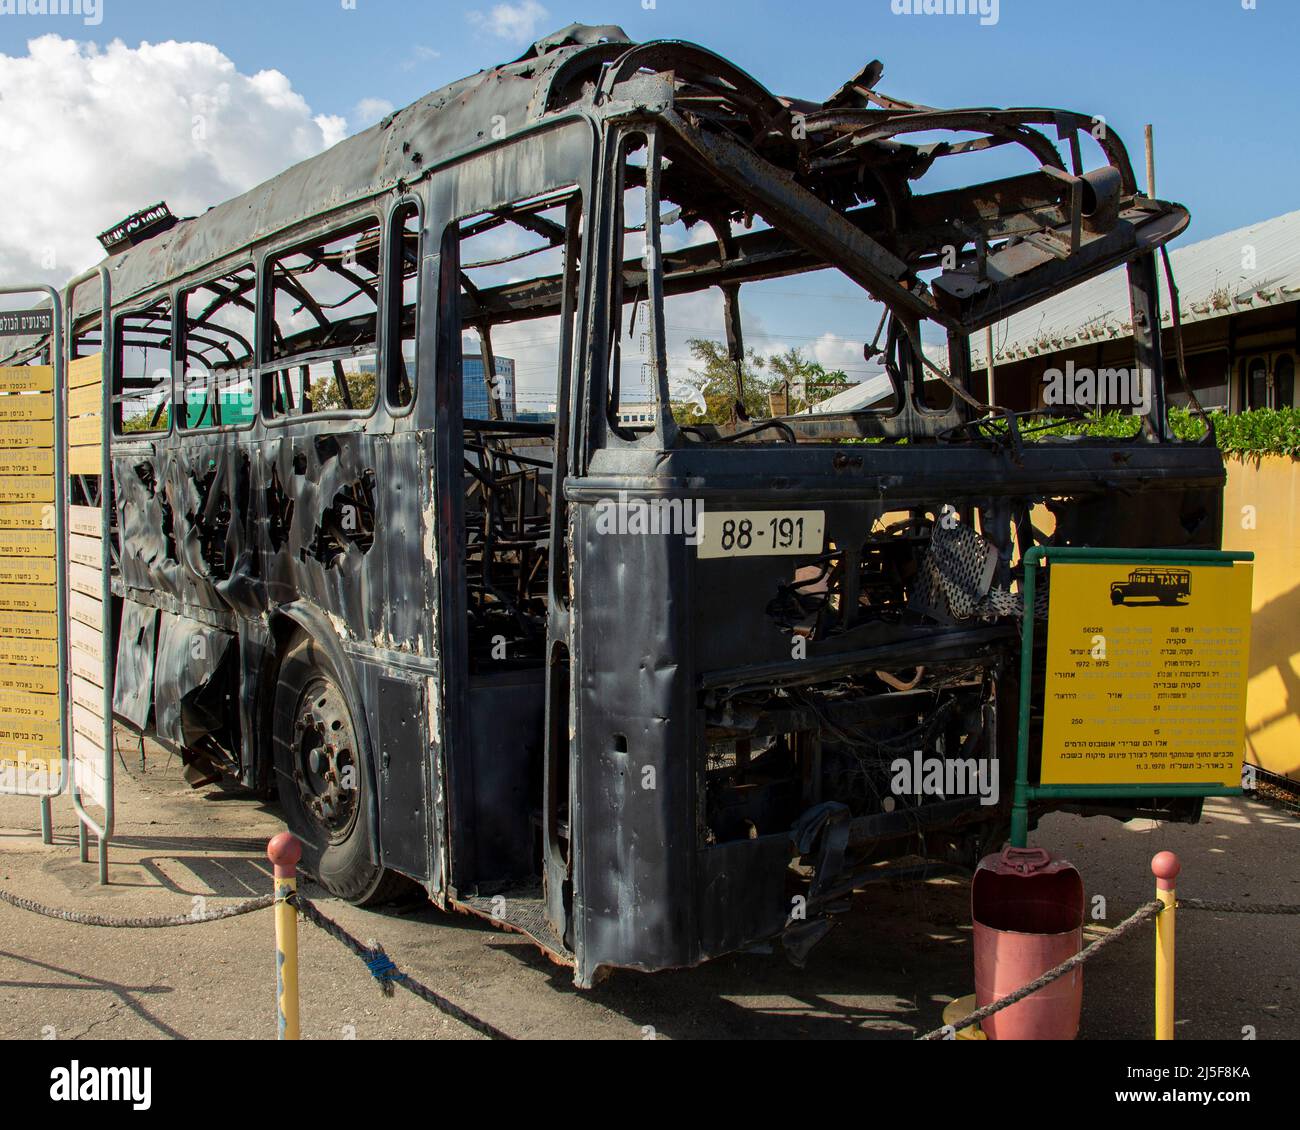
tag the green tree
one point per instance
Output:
(715, 376)
(329, 397)
(808, 381)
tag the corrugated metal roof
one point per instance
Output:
(866, 393)
(873, 390)
(1214, 277)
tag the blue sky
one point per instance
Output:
(1217, 78)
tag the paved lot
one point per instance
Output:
(884, 973)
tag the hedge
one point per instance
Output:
(1262, 431)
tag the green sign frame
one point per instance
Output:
(1024, 790)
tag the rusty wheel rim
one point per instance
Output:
(326, 769)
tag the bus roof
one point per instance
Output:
(740, 151)
(401, 148)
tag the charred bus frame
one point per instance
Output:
(671, 751)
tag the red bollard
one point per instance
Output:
(1027, 912)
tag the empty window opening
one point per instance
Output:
(143, 375)
(218, 321)
(404, 279)
(517, 270)
(324, 304)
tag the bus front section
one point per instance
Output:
(796, 516)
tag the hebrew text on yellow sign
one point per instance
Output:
(1146, 674)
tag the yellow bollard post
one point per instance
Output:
(284, 851)
(1165, 867)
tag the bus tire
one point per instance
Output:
(323, 780)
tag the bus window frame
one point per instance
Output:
(606, 431)
(450, 243)
(908, 385)
(266, 368)
(391, 292)
(180, 333)
(115, 426)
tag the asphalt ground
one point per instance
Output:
(884, 973)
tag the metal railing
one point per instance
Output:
(86, 822)
(59, 395)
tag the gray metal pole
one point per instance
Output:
(87, 823)
(988, 363)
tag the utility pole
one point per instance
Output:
(1151, 162)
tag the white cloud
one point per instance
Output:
(835, 352)
(370, 110)
(420, 54)
(515, 22)
(89, 135)
(333, 129)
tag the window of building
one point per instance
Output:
(324, 321)
(1284, 381)
(1207, 375)
(479, 395)
(217, 326)
(1268, 381)
(1257, 382)
(142, 376)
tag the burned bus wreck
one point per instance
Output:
(416, 625)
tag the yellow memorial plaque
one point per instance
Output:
(31, 753)
(29, 770)
(26, 378)
(1146, 674)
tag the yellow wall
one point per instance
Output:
(1265, 494)
(1271, 485)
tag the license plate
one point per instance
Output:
(761, 533)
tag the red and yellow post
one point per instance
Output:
(1165, 867)
(284, 851)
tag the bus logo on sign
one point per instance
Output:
(1164, 586)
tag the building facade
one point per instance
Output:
(1238, 304)
(477, 393)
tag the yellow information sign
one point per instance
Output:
(31, 758)
(1146, 674)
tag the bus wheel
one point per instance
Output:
(321, 775)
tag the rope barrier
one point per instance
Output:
(1237, 907)
(1142, 914)
(380, 965)
(262, 902)
(383, 969)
